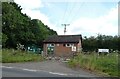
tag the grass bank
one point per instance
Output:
(102, 64)
(14, 56)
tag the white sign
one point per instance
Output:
(103, 50)
(73, 48)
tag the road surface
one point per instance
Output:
(13, 72)
(42, 69)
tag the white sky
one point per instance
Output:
(86, 18)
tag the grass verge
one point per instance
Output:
(103, 64)
(14, 56)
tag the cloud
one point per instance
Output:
(36, 14)
(32, 9)
(81, 0)
(87, 26)
(29, 4)
(106, 24)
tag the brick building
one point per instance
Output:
(62, 45)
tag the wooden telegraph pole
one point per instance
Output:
(65, 27)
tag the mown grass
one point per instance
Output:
(107, 65)
(14, 56)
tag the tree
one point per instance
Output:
(101, 42)
(19, 28)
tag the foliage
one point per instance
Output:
(19, 28)
(101, 64)
(4, 39)
(101, 41)
(12, 56)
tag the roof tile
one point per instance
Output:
(63, 39)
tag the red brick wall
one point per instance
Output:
(63, 50)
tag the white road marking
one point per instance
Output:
(30, 70)
(25, 69)
(57, 73)
(7, 67)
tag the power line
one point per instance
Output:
(64, 14)
(70, 11)
(76, 13)
(73, 15)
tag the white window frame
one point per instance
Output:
(51, 45)
(67, 45)
(57, 44)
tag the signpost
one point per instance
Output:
(74, 48)
(104, 51)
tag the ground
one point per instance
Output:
(55, 67)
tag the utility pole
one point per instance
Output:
(65, 27)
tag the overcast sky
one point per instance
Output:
(88, 18)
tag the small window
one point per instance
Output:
(68, 45)
(52, 45)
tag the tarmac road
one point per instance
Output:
(50, 68)
(13, 72)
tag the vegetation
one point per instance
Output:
(107, 64)
(101, 41)
(12, 56)
(0, 55)
(19, 28)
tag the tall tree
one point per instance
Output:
(19, 28)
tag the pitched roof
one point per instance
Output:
(63, 39)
